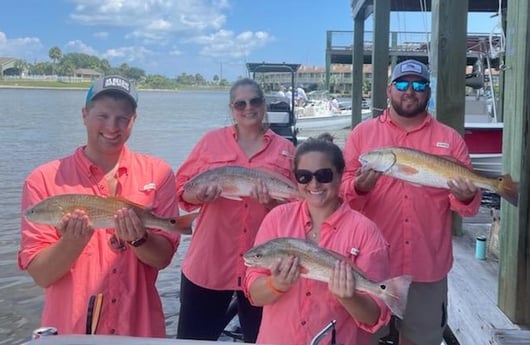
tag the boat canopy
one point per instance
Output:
(266, 67)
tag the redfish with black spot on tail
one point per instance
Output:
(421, 168)
(101, 210)
(318, 263)
(237, 182)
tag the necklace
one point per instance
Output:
(313, 234)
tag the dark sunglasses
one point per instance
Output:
(417, 86)
(254, 102)
(321, 175)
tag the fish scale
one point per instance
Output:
(422, 168)
(237, 181)
(317, 263)
(101, 211)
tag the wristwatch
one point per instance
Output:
(139, 241)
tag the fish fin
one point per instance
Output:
(282, 198)
(128, 202)
(231, 197)
(508, 189)
(394, 293)
(406, 169)
(186, 223)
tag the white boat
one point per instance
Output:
(319, 114)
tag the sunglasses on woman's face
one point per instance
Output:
(417, 86)
(321, 175)
(254, 102)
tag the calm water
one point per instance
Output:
(39, 125)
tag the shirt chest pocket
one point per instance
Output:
(226, 158)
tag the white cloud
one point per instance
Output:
(152, 19)
(225, 43)
(24, 48)
(78, 46)
(195, 25)
(101, 35)
(130, 54)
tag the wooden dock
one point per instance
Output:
(474, 315)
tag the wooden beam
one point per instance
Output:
(514, 275)
(357, 70)
(380, 58)
(448, 68)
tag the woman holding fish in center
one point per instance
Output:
(235, 174)
(295, 309)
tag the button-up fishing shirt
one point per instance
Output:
(415, 220)
(225, 228)
(131, 303)
(308, 306)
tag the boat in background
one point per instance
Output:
(484, 141)
(483, 135)
(319, 114)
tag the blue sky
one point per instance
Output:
(170, 37)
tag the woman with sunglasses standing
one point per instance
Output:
(295, 309)
(415, 221)
(213, 267)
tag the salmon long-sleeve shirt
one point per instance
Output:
(131, 303)
(415, 220)
(303, 311)
(226, 228)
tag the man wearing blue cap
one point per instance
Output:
(102, 281)
(415, 221)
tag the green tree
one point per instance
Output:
(21, 66)
(55, 55)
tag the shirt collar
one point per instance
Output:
(92, 169)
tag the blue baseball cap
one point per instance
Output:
(410, 67)
(115, 83)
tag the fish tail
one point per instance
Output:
(508, 189)
(185, 223)
(394, 293)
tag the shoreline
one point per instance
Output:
(22, 87)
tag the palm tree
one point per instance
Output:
(55, 54)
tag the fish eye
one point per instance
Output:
(382, 287)
(173, 221)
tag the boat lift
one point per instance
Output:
(280, 110)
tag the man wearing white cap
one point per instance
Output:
(415, 221)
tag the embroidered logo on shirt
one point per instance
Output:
(354, 251)
(443, 145)
(287, 154)
(148, 187)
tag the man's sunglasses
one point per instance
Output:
(321, 175)
(254, 102)
(417, 86)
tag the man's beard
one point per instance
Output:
(396, 105)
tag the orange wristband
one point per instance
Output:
(273, 288)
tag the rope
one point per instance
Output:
(499, 48)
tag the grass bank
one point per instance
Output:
(86, 85)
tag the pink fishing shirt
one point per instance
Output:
(415, 220)
(131, 303)
(226, 228)
(299, 314)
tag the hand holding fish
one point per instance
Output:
(341, 281)
(365, 180)
(285, 272)
(463, 189)
(128, 226)
(208, 193)
(75, 227)
(260, 192)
